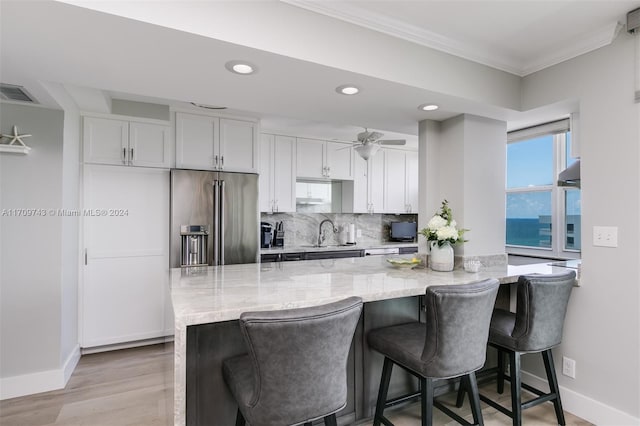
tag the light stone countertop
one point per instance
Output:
(221, 293)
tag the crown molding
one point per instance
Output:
(377, 22)
(591, 41)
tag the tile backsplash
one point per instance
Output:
(302, 228)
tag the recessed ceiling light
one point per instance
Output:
(428, 107)
(241, 67)
(347, 89)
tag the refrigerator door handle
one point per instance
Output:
(222, 224)
(216, 224)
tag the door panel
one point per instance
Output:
(241, 217)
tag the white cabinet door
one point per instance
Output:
(197, 139)
(310, 158)
(238, 146)
(149, 145)
(105, 141)
(124, 300)
(395, 180)
(339, 160)
(126, 241)
(360, 186)
(265, 180)
(284, 174)
(376, 182)
(412, 182)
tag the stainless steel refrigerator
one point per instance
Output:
(214, 218)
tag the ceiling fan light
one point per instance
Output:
(367, 151)
(347, 89)
(428, 107)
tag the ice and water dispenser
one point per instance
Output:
(194, 245)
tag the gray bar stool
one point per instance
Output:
(452, 343)
(296, 367)
(536, 326)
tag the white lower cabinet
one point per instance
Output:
(125, 284)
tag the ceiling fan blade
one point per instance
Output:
(393, 142)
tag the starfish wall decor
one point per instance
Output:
(15, 137)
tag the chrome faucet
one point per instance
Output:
(321, 235)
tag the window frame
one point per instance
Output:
(558, 208)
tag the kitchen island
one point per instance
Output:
(208, 301)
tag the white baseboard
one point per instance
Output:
(126, 345)
(585, 407)
(43, 381)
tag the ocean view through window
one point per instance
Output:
(542, 218)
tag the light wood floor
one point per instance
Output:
(135, 387)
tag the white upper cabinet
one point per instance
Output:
(212, 143)
(412, 182)
(368, 184)
(394, 182)
(310, 158)
(387, 183)
(339, 160)
(278, 174)
(127, 143)
(317, 159)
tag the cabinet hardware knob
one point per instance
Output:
(131, 156)
(124, 155)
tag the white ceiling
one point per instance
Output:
(131, 59)
(517, 36)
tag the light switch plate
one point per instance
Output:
(605, 236)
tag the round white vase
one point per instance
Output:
(441, 258)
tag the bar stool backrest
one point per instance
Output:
(300, 360)
(540, 310)
(458, 318)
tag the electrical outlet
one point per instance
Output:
(359, 233)
(605, 236)
(569, 367)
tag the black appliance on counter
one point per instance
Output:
(278, 238)
(266, 234)
(403, 231)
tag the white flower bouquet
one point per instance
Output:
(442, 228)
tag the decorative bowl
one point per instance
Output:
(404, 263)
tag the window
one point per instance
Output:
(542, 218)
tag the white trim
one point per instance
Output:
(360, 16)
(585, 407)
(43, 381)
(70, 364)
(126, 345)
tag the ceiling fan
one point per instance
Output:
(369, 143)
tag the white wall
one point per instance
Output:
(602, 328)
(30, 277)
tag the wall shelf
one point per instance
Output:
(14, 149)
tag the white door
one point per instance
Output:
(149, 145)
(339, 160)
(284, 173)
(238, 146)
(412, 181)
(265, 180)
(105, 141)
(310, 158)
(394, 181)
(126, 240)
(196, 142)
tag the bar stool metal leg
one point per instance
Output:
(500, 371)
(474, 399)
(516, 397)
(382, 392)
(553, 384)
(426, 401)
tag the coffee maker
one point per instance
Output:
(266, 234)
